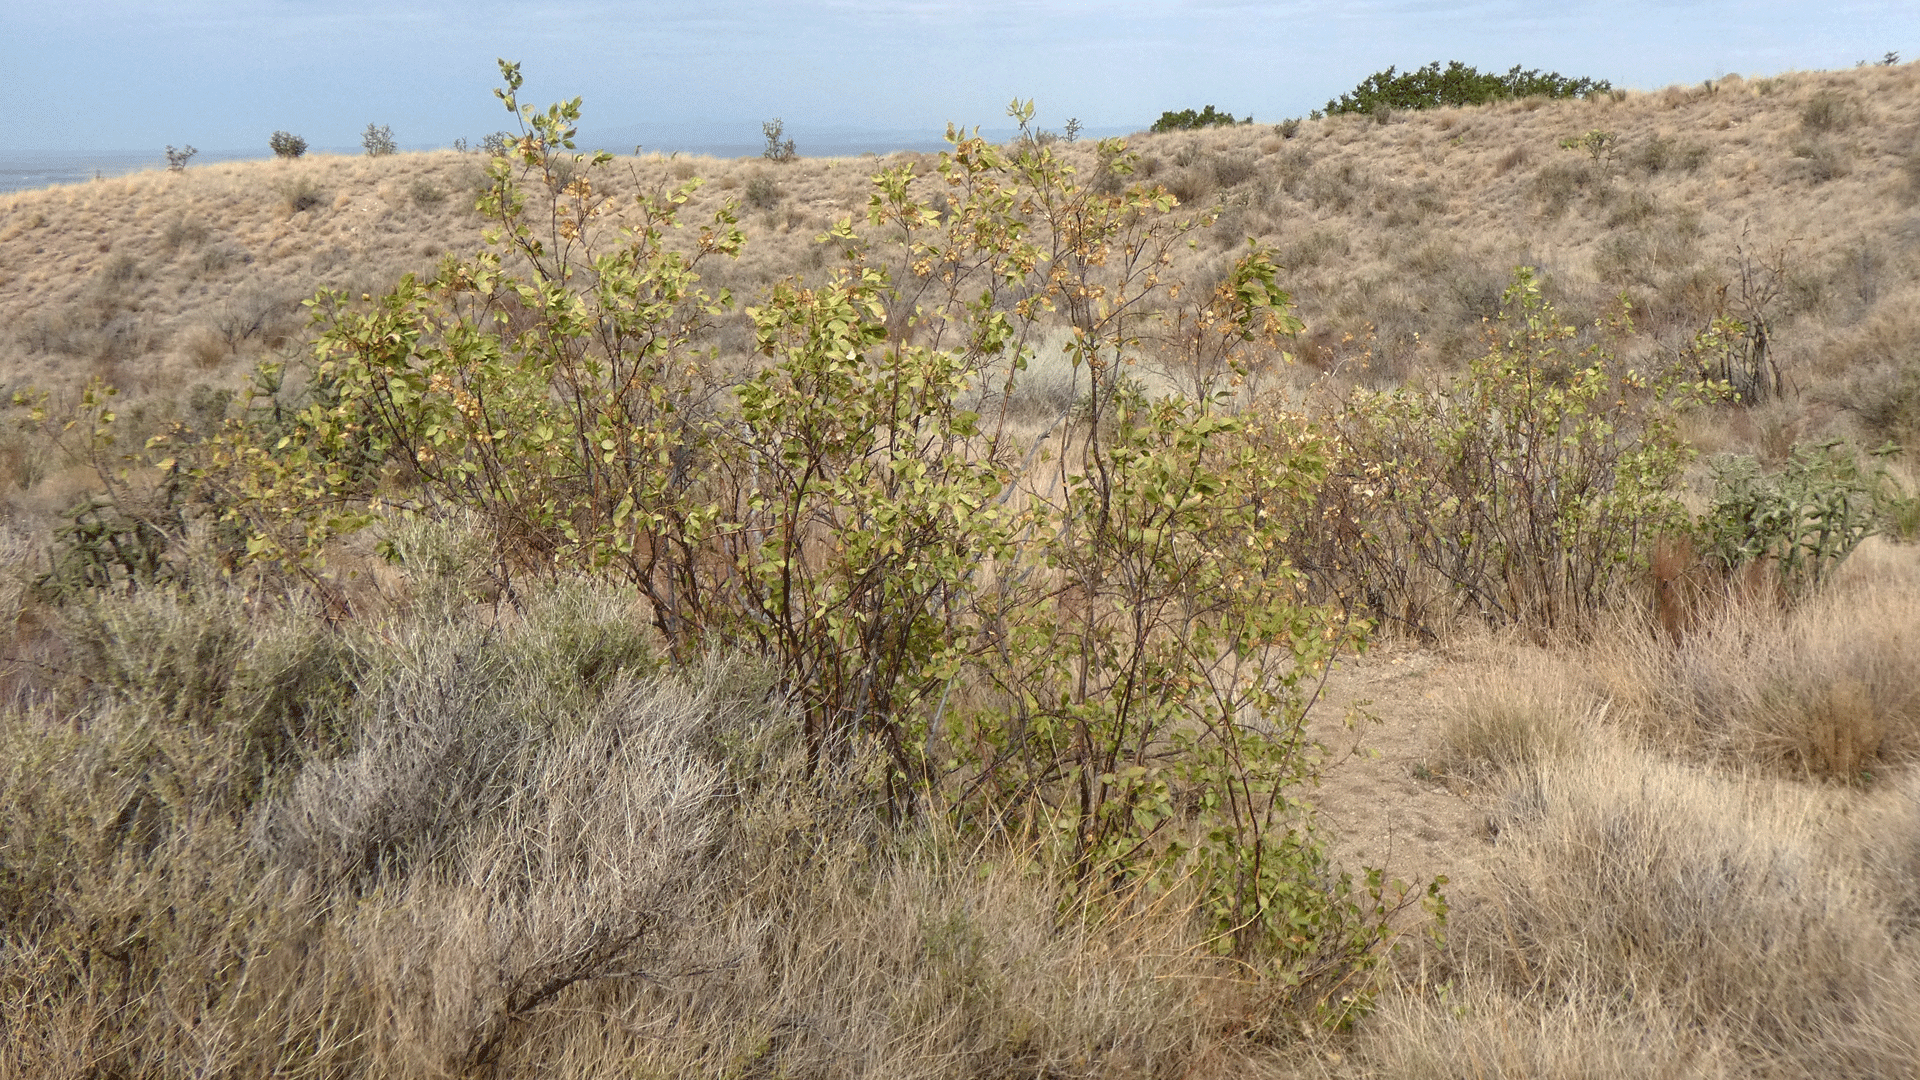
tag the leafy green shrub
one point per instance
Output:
(1598, 144)
(1431, 87)
(177, 159)
(1525, 494)
(1189, 120)
(1133, 651)
(378, 141)
(286, 145)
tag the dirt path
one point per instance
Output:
(1378, 800)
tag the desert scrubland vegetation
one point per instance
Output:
(970, 614)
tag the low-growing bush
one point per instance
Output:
(286, 145)
(1191, 120)
(761, 192)
(1527, 493)
(390, 857)
(1662, 153)
(299, 194)
(1431, 87)
(1827, 112)
(425, 192)
(1557, 184)
(1820, 160)
(1803, 520)
(1598, 144)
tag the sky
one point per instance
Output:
(98, 76)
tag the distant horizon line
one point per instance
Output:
(27, 170)
(832, 142)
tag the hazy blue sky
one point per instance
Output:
(97, 75)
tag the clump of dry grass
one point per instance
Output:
(1670, 889)
(469, 842)
(1479, 1031)
(269, 852)
(1824, 689)
(1640, 914)
(1518, 718)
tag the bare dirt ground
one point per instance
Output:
(1379, 800)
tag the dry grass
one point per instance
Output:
(1673, 881)
(460, 841)
(1515, 719)
(1824, 689)
(1638, 916)
(464, 842)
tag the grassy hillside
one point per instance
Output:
(1005, 665)
(1397, 238)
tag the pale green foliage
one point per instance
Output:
(1526, 493)
(1806, 518)
(1738, 353)
(1597, 143)
(1138, 649)
(1158, 693)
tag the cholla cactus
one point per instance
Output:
(378, 141)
